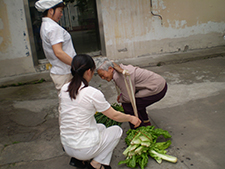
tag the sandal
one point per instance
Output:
(89, 166)
(78, 163)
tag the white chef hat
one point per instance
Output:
(42, 5)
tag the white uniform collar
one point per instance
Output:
(46, 19)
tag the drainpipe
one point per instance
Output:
(155, 14)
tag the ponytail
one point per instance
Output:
(79, 65)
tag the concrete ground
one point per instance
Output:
(193, 111)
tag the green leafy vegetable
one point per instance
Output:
(101, 118)
(159, 157)
(129, 149)
(132, 162)
(142, 142)
(143, 160)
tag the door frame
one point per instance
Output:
(101, 28)
(30, 32)
(31, 36)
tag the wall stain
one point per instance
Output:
(5, 32)
(122, 50)
(27, 53)
(192, 12)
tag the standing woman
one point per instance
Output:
(56, 41)
(81, 136)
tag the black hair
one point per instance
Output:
(45, 13)
(79, 65)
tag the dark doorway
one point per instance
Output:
(79, 19)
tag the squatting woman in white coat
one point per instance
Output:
(81, 136)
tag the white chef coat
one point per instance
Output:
(52, 33)
(78, 127)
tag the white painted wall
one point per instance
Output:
(131, 30)
(15, 50)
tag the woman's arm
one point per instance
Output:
(60, 54)
(119, 69)
(121, 117)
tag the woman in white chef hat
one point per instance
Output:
(57, 45)
(56, 41)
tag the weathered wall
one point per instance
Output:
(15, 51)
(130, 30)
(127, 29)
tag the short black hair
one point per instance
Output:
(61, 4)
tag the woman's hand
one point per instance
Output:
(121, 117)
(125, 72)
(135, 121)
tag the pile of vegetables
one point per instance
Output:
(101, 118)
(142, 142)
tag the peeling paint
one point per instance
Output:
(186, 25)
(192, 11)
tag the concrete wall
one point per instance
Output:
(130, 30)
(15, 50)
(127, 28)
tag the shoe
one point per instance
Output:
(105, 166)
(147, 123)
(78, 163)
(89, 166)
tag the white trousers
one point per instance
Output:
(102, 153)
